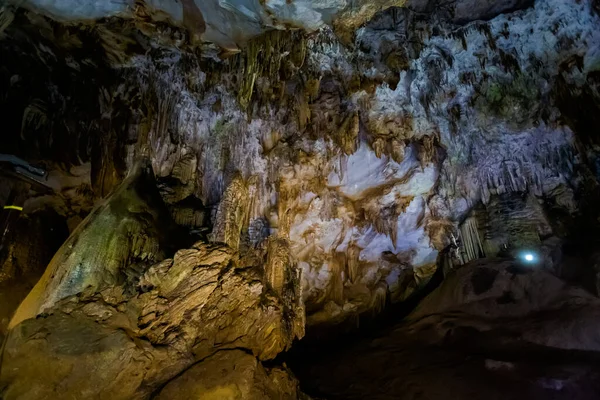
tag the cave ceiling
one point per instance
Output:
(363, 134)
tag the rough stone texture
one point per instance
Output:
(333, 165)
(232, 213)
(184, 310)
(233, 23)
(226, 24)
(232, 303)
(231, 375)
(124, 233)
(463, 11)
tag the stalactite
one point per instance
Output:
(379, 298)
(428, 150)
(336, 283)
(378, 147)
(187, 216)
(347, 134)
(231, 213)
(288, 193)
(266, 56)
(279, 263)
(471, 241)
(353, 261)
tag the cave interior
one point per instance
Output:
(242, 199)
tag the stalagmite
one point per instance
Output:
(353, 261)
(379, 298)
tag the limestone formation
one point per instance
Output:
(279, 266)
(232, 213)
(183, 311)
(374, 138)
(124, 233)
(234, 173)
(231, 375)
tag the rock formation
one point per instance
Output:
(307, 164)
(182, 313)
(232, 213)
(101, 306)
(105, 250)
(231, 374)
(384, 145)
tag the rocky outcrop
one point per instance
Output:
(133, 340)
(231, 375)
(111, 307)
(121, 235)
(523, 303)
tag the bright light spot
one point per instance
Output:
(529, 257)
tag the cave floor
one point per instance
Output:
(464, 341)
(469, 366)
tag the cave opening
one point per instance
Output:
(250, 200)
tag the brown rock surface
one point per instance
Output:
(125, 232)
(231, 375)
(184, 310)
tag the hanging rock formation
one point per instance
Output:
(356, 146)
(367, 151)
(311, 165)
(232, 213)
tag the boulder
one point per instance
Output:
(231, 374)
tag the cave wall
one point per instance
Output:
(365, 151)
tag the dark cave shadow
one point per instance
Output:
(322, 344)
